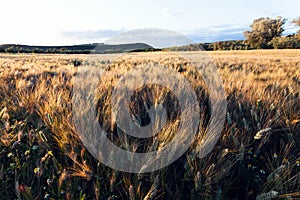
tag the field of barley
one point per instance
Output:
(256, 157)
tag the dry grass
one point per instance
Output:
(257, 155)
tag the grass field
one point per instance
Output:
(256, 157)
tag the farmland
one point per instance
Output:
(256, 157)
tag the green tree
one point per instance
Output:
(263, 30)
(285, 42)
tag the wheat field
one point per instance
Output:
(256, 157)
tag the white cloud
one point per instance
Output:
(217, 33)
(99, 34)
(170, 13)
(157, 38)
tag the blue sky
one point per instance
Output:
(66, 22)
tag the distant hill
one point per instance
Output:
(77, 49)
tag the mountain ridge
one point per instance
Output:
(82, 48)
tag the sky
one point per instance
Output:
(68, 22)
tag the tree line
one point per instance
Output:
(265, 33)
